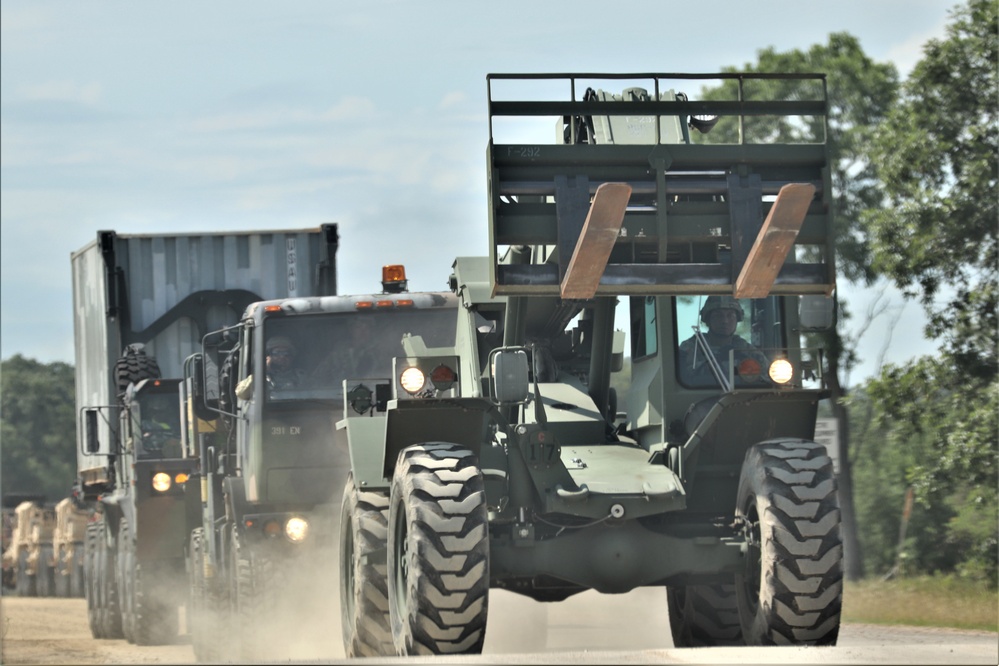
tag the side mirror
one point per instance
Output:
(508, 375)
(816, 312)
(199, 393)
(91, 443)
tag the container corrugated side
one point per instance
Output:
(174, 289)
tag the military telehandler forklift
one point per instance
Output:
(504, 462)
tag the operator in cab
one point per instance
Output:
(281, 357)
(721, 314)
(160, 432)
(280, 371)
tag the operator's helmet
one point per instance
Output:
(281, 342)
(720, 303)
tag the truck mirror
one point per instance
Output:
(816, 312)
(203, 409)
(91, 444)
(508, 373)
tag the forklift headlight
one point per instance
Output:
(296, 529)
(161, 482)
(781, 371)
(412, 380)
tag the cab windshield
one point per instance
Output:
(159, 425)
(724, 339)
(309, 356)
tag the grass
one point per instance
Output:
(928, 601)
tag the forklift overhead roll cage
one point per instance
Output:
(707, 196)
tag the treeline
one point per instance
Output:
(37, 428)
(914, 175)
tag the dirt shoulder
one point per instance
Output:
(55, 631)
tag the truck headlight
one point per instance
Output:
(781, 371)
(296, 529)
(161, 482)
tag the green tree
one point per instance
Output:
(937, 157)
(37, 427)
(860, 94)
(940, 438)
(935, 236)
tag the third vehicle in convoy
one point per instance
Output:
(271, 471)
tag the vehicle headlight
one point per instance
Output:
(296, 529)
(161, 482)
(781, 371)
(412, 380)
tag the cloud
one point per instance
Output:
(27, 26)
(907, 53)
(87, 94)
(350, 108)
(452, 99)
(274, 117)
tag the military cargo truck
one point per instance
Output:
(273, 464)
(142, 303)
(27, 558)
(67, 547)
(508, 461)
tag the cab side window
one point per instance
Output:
(644, 328)
(246, 357)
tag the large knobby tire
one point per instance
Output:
(156, 613)
(791, 590)
(260, 582)
(438, 551)
(704, 615)
(204, 622)
(233, 541)
(27, 584)
(45, 573)
(110, 599)
(125, 577)
(62, 569)
(148, 615)
(77, 578)
(90, 561)
(134, 366)
(364, 604)
(196, 607)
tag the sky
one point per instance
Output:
(249, 115)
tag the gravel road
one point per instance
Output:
(588, 628)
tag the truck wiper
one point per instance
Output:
(709, 355)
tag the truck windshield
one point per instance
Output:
(309, 356)
(735, 331)
(159, 425)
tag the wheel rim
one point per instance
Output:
(347, 567)
(401, 564)
(752, 578)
